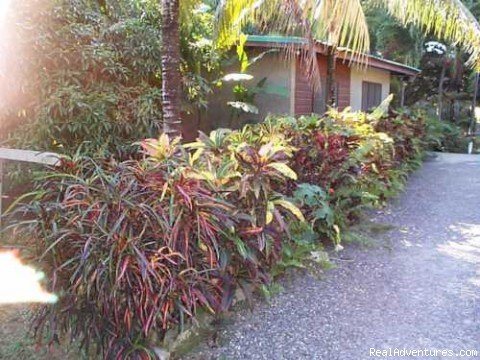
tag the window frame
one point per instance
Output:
(371, 94)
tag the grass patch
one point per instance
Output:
(367, 233)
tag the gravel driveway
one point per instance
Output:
(418, 288)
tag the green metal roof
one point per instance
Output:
(394, 63)
(278, 39)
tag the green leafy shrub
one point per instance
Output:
(445, 136)
(354, 160)
(252, 166)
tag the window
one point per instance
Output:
(371, 95)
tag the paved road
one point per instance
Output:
(421, 291)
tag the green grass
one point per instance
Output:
(367, 233)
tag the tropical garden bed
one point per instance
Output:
(142, 239)
(138, 248)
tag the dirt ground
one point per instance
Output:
(17, 344)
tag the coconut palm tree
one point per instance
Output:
(171, 79)
(341, 23)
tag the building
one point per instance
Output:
(359, 86)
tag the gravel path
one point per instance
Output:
(421, 291)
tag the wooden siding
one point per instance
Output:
(343, 85)
(306, 101)
(303, 91)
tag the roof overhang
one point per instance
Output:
(269, 41)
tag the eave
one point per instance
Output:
(271, 41)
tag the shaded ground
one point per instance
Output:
(15, 342)
(418, 288)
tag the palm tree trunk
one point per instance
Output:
(330, 98)
(171, 79)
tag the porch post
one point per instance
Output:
(330, 87)
(402, 93)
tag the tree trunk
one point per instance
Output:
(459, 71)
(473, 124)
(330, 98)
(457, 83)
(440, 90)
(171, 79)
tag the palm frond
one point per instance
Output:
(341, 23)
(286, 17)
(449, 20)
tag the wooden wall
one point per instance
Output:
(304, 95)
(306, 98)
(343, 83)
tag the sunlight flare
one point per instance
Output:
(3, 8)
(20, 283)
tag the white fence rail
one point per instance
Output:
(30, 156)
(36, 157)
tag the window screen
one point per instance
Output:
(371, 95)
